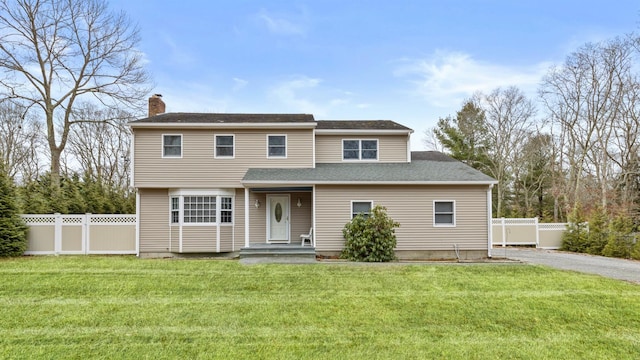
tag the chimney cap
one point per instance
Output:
(157, 95)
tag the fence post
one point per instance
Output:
(504, 233)
(57, 234)
(86, 224)
(537, 232)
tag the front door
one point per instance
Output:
(278, 218)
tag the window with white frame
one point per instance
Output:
(175, 210)
(360, 149)
(361, 207)
(444, 213)
(224, 146)
(197, 209)
(171, 145)
(277, 146)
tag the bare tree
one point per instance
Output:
(586, 98)
(102, 147)
(509, 122)
(20, 141)
(57, 52)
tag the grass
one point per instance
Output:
(123, 307)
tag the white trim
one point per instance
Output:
(138, 223)
(489, 222)
(360, 150)
(218, 237)
(181, 147)
(246, 217)
(202, 192)
(313, 217)
(434, 213)
(409, 148)
(286, 145)
(362, 132)
(131, 159)
(215, 147)
(313, 147)
(208, 125)
(360, 201)
(287, 218)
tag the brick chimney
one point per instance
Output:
(156, 105)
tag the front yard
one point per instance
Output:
(123, 307)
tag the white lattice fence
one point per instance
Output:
(81, 234)
(527, 231)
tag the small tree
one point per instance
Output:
(13, 231)
(620, 239)
(575, 238)
(371, 238)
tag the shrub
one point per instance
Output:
(597, 235)
(576, 237)
(370, 239)
(635, 250)
(13, 231)
(620, 239)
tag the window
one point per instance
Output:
(361, 207)
(277, 146)
(201, 209)
(444, 213)
(226, 210)
(360, 149)
(171, 145)
(175, 210)
(224, 146)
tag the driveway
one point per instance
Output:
(621, 269)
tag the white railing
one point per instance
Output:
(527, 231)
(81, 234)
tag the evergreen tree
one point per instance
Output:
(13, 231)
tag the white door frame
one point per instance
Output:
(286, 216)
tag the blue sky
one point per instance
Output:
(408, 61)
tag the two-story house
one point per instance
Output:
(216, 183)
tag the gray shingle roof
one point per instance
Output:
(360, 125)
(225, 118)
(419, 172)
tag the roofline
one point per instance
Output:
(209, 125)
(310, 182)
(362, 131)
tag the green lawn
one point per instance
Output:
(123, 307)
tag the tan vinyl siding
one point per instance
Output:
(198, 238)
(154, 220)
(300, 216)
(391, 148)
(175, 238)
(198, 168)
(257, 219)
(226, 238)
(238, 221)
(412, 207)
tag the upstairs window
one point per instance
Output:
(444, 213)
(360, 149)
(171, 145)
(276, 146)
(224, 146)
(361, 207)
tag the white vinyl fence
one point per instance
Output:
(516, 231)
(81, 234)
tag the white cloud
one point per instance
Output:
(283, 24)
(447, 78)
(289, 93)
(239, 84)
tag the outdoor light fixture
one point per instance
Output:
(257, 203)
(299, 202)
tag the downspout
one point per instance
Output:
(489, 223)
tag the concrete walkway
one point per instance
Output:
(621, 269)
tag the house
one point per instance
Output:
(217, 183)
